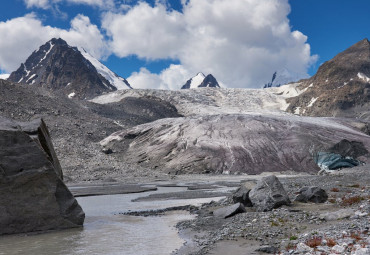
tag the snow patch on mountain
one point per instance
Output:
(112, 77)
(363, 77)
(4, 76)
(47, 53)
(313, 100)
(197, 80)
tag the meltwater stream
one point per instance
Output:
(107, 232)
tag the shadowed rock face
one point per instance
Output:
(60, 67)
(33, 196)
(249, 144)
(341, 86)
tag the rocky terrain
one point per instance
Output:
(76, 127)
(339, 225)
(341, 86)
(33, 196)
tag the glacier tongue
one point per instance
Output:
(113, 78)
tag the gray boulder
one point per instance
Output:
(268, 194)
(33, 196)
(229, 211)
(241, 195)
(312, 194)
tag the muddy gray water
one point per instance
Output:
(108, 232)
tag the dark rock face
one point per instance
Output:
(201, 81)
(312, 194)
(347, 148)
(33, 196)
(229, 211)
(138, 110)
(241, 195)
(268, 194)
(228, 143)
(209, 82)
(341, 86)
(60, 67)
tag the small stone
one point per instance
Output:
(301, 247)
(338, 249)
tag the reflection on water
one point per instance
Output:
(107, 232)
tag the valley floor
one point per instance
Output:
(339, 226)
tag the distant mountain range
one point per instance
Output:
(201, 81)
(60, 67)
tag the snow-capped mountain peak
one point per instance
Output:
(112, 77)
(57, 66)
(200, 80)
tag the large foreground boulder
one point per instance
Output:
(268, 194)
(33, 196)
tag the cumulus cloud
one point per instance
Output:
(242, 43)
(46, 4)
(25, 34)
(170, 78)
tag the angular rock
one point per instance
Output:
(268, 249)
(33, 196)
(268, 194)
(241, 195)
(312, 194)
(229, 211)
(337, 215)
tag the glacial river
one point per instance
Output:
(107, 232)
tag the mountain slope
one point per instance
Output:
(341, 86)
(60, 67)
(201, 81)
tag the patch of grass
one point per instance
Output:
(292, 238)
(290, 246)
(354, 186)
(314, 242)
(281, 220)
(332, 200)
(274, 224)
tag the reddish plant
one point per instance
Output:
(348, 201)
(330, 242)
(334, 190)
(314, 242)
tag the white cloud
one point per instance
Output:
(145, 31)
(242, 43)
(25, 34)
(46, 4)
(171, 78)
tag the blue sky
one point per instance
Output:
(165, 42)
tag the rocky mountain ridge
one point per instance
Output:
(341, 86)
(60, 67)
